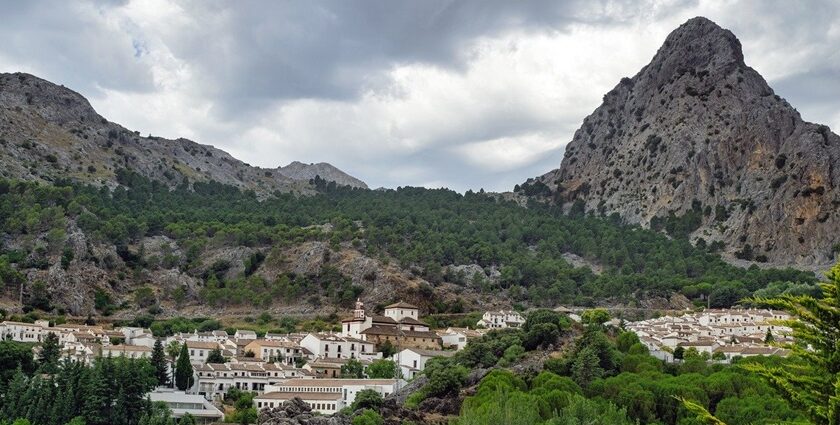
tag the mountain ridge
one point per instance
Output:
(697, 142)
(49, 132)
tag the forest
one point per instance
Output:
(422, 230)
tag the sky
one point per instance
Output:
(435, 93)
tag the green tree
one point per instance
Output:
(187, 419)
(383, 369)
(768, 338)
(215, 356)
(183, 370)
(50, 353)
(586, 367)
(353, 369)
(595, 316)
(158, 360)
(812, 381)
(158, 414)
(367, 399)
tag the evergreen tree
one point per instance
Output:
(97, 405)
(769, 337)
(50, 353)
(215, 356)
(13, 398)
(812, 380)
(159, 362)
(183, 370)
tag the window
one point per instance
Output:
(192, 352)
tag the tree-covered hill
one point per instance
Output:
(482, 246)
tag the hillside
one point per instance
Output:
(49, 132)
(697, 144)
(214, 249)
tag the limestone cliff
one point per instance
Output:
(698, 143)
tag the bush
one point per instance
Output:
(367, 399)
(368, 417)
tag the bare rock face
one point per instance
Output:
(297, 412)
(300, 171)
(698, 136)
(49, 132)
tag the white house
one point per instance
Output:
(343, 392)
(501, 319)
(339, 347)
(22, 332)
(215, 379)
(412, 361)
(401, 310)
(245, 334)
(199, 350)
(182, 403)
(128, 351)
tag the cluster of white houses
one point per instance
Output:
(729, 332)
(277, 367)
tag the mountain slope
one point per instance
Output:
(699, 144)
(49, 132)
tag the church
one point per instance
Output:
(400, 325)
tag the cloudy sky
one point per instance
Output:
(461, 94)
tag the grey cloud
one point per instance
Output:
(69, 43)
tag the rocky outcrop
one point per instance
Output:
(297, 412)
(698, 143)
(304, 172)
(49, 132)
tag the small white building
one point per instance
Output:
(23, 332)
(215, 379)
(412, 361)
(199, 350)
(244, 334)
(339, 347)
(127, 351)
(182, 403)
(501, 319)
(401, 310)
(343, 392)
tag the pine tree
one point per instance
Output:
(811, 381)
(96, 409)
(160, 363)
(12, 400)
(183, 370)
(50, 353)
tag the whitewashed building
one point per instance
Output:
(501, 319)
(339, 347)
(325, 396)
(412, 361)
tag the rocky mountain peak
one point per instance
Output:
(698, 144)
(49, 132)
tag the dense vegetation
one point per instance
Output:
(606, 377)
(423, 230)
(53, 392)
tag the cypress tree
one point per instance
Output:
(183, 370)
(159, 362)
